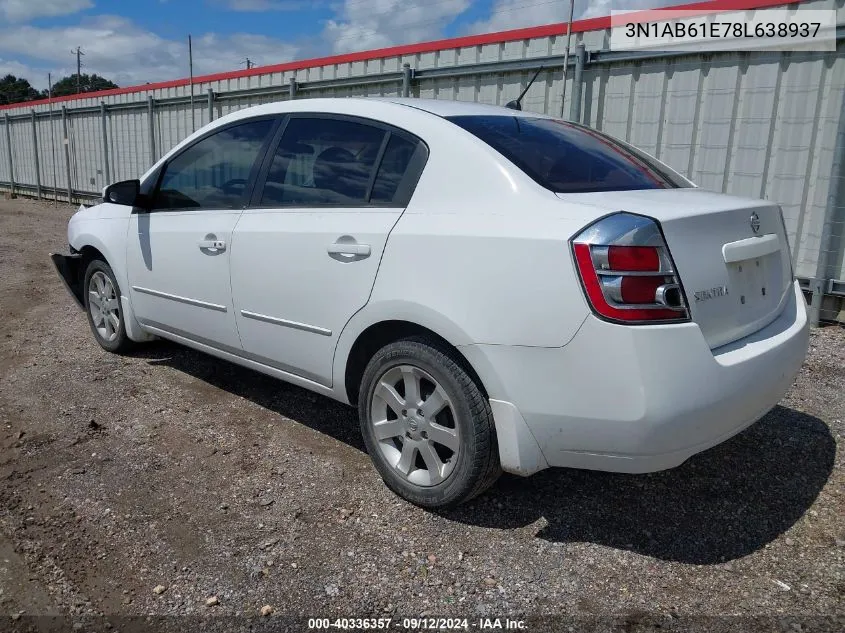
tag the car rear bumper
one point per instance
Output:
(639, 399)
(68, 268)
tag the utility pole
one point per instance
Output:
(566, 57)
(191, 70)
(78, 52)
(52, 138)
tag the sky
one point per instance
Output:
(137, 41)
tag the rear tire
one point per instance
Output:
(427, 426)
(103, 308)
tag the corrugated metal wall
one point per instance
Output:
(759, 124)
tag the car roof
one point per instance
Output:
(437, 107)
(448, 108)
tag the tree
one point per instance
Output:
(87, 83)
(16, 89)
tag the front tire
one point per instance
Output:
(427, 426)
(102, 305)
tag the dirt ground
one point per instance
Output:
(229, 491)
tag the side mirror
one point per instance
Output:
(125, 192)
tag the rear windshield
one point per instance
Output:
(570, 158)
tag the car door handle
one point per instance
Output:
(212, 245)
(359, 250)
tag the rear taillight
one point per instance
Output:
(627, 271)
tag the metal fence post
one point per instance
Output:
(292, 93)
(9, 156)
(835, 200)
(37, 161)
(105, 122)
(66, 142)
(152, 126)
(407, 74)
(210, 105)
(577, 81)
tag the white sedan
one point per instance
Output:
(493, 289)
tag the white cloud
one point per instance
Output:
(514, 14)
(360, 25)
(16, 68)
(119, 50)
(598, 8)
(266, 5)
(25, 10)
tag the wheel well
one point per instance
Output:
(89, 254)
(77, 268)
(380, 334)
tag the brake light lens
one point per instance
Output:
(640, 289)
(627, 271)
(642, 258)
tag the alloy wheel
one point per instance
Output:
(103, 306)
(413, 421)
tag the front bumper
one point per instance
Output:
(68, 268)
(641, 399)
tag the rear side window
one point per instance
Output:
(569, 158)
(323, 162)
(394, 166)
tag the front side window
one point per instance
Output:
(323, 162)
(569, 158)
(213, 173)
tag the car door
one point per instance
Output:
(310, 242)
(178, 251)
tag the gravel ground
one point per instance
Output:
(170, 483)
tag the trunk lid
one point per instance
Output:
(736, 278)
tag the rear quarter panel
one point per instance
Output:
(501, 280)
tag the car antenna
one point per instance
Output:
(516, 104)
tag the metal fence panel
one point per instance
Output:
(821, 181)
(680, 114)
(5, 167)
(23, 151)
(49, 152)
(754, 123)
(85, 135)
(798, 155)
(129, 143)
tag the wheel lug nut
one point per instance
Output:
(404, 412)
(419, 412)
(424, 435)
